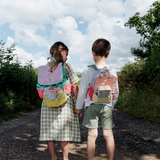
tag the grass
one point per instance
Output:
(143, 103)
(15, 114)
(9, 116)
(12, 105)
(143, 106)
(78, 83)
(139, 95)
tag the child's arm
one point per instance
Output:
(83, 88)
(75, 90)
(78, 111)
(75, 93)
(74, 79)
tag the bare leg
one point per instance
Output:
(65, 149)
(110, 145)
(51, 147)
(92, 136)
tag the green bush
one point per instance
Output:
(140, 103)
(140, 89)
(79, 74)
(152, 65)
(17, 86)
(131, 75)
(13, 103)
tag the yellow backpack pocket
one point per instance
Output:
(54, 97)
(97, 99)
(62, 98)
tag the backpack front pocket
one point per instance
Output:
(97, 99)
(54, 97)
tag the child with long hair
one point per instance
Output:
(61, 123)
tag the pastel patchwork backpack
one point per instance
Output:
(54, 87)
(103, 85)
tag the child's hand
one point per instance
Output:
(78, 111)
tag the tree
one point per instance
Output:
(6, 55)
(148, 26)
(17, 83)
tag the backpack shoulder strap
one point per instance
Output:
(94, 67)
(66, 69)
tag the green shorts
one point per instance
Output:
(98, 112)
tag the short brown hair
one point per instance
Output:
(101, 47)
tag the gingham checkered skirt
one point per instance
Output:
(60, 123)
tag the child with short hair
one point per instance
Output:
(97, 111)
(60, 123)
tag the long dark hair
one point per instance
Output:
(55, 51)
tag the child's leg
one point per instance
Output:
(110, 145)
(51, 147)
(65, 148)
(92, 136)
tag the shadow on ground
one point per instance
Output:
(20, 140)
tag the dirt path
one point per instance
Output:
(135, 140)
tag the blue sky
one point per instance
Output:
(34, 25)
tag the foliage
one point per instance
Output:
(152, 66)
(139, 82)
(139, 91)
(148, 26)
(79, 74)
(17, 85)
(6, 55)
(132, 75)
(143, 103)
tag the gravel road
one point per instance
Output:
(135, 139)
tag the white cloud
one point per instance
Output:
(26, 17)
(24, 57)
(104, 27)
(68, 23)
(77, 69)
(114, 8)
(85, 9)
(81, 22)
(27, 34)
(140, 6)
(9, 42)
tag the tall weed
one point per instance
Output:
(140, 88)
(132, 75)
(140, 103)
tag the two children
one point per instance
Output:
(95, 112)
(61, 124)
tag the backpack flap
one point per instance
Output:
(45, 77)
